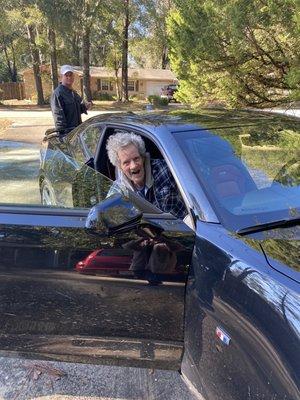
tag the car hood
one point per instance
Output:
(281, 248)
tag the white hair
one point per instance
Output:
(121, 140)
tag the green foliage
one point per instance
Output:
(242, 52)
(4, 74)
(102, 96)
(13, 46)
(157, 100)
(69, 20)
(150, 34)
(134, 97)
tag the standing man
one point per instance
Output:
(66, 104)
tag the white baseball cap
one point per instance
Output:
(66, 68)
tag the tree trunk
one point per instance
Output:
(9, 69)
(86, 64)
(53, 57)
(76, 51)
(118, 91)
(164, 58)
(125, 53)
(15, 72)
(37, 39)
(117, 66)
(36, 64)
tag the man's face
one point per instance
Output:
(68, 79)
(132, 164)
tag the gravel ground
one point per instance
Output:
(36, 380)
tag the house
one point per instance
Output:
(141, 82)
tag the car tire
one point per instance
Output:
(47, 194)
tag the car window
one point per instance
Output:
(79, 152)
(52, 177)
(162, 194)
(250, 174)
(90, 138)
(57, 176)
(114, 253)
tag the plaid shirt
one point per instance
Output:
(163, 193)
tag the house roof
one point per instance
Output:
(133, 73)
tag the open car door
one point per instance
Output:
(61, 300)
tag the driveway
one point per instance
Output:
(29, 126)
(31, 379)
(294, 112)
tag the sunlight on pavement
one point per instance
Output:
(294, 112)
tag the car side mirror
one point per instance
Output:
(116, 213)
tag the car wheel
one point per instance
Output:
(47, 194)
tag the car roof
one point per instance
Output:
(186, 119)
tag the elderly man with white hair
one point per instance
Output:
(66, 104)
(149, 178)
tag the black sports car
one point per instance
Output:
(218, 294)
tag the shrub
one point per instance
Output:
(102, 96)
(157, 100)
(133, 97)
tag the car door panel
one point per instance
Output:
(75, 183)
(49, 310)
(89, 187)
(238, 318)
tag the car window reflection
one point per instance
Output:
(251, 173)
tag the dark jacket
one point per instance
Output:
(67, 107)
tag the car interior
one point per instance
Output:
(228, 180)
(104, 166)
(102, 163)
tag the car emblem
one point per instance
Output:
(223, 336)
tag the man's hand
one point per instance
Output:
(88, 105)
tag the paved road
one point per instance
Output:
(24, 379)
(294, 112)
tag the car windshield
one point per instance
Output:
(251, 174)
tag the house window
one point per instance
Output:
(130, 86)
(104, 84)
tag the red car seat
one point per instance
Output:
(228, 181)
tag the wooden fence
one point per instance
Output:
(12, 90)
